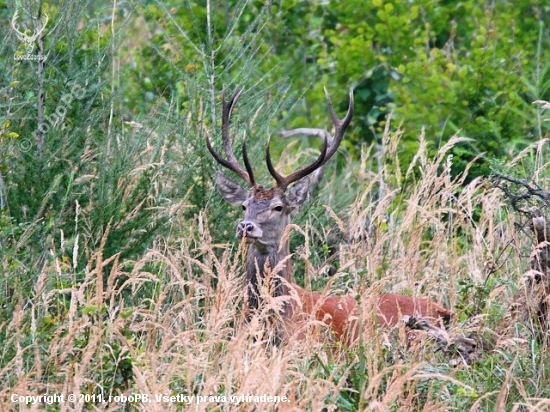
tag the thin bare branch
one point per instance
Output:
(533, 190)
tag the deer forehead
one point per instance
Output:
(261, 196)
(260, 193)
(261, 203)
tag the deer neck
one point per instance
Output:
(260, 270)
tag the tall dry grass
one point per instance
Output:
(172, 321)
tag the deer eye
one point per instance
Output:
(244, 207)
(278, 208)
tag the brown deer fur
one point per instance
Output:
(340, 313)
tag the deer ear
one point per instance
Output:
(231, 191)
(297, 194)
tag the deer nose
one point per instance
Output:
(248, 229)
(245, 228)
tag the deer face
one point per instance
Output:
(266, 211)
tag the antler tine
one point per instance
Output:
(231, 162)
(340, 125)
(247, 164)
(329, 145)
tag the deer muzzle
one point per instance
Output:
(249, 230)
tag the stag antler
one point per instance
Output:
(329, 145)
(231, 163)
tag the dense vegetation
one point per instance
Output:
(118, 269)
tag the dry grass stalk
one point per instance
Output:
(188, 335)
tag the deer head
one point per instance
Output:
(267, 211)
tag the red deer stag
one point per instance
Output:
(267, 214)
